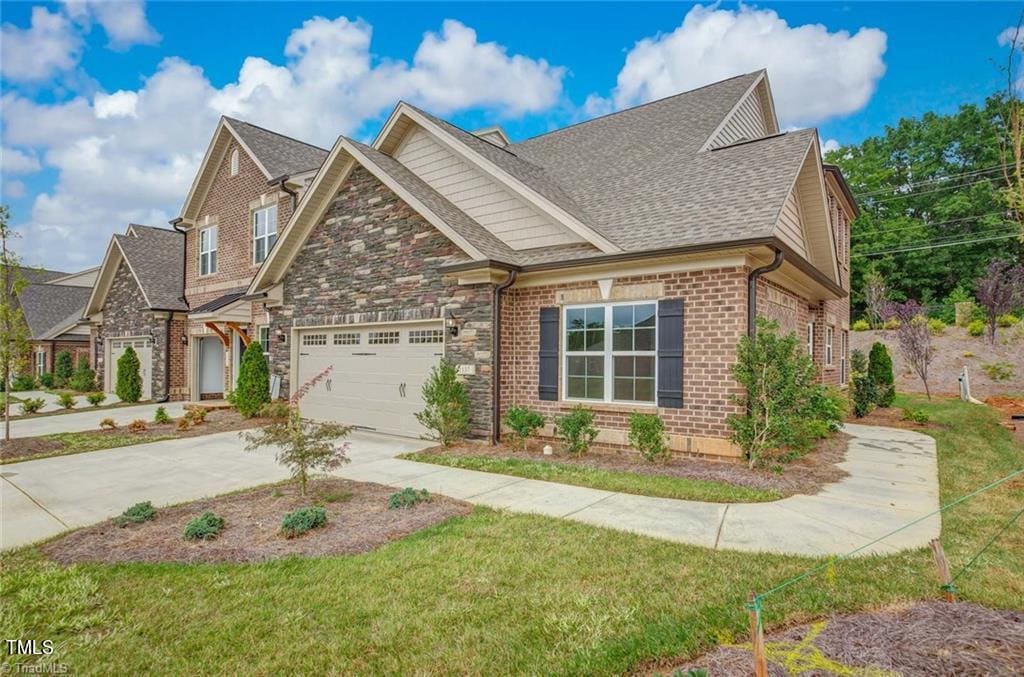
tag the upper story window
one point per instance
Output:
(610, 352)
(264, 232)
(208, 251)
(234, 162)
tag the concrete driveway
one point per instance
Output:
(89, 418)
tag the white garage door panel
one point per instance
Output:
(377, 386)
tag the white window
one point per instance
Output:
(314, 340)
(810, 339)
(828, 345)
(350, 338)
(843, 337)
(234, 162)
(610, 352)
(263, 336)
(426, 336)
(208, 251)
(264, 232)
(383, 337)
(40, 362)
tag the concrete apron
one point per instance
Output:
(893, 480)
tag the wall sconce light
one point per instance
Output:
(282, 337)
(184, 339)
(453, 327)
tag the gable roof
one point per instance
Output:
(50, 308)
(155, 257)
(39, 275)
(277, 154)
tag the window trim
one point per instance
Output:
(266, 235)
(609, 354)
(259, 337)
(810, 339)
(40, 363)
(829, 349)
(844, 342)
(211, 253)
(234, 162)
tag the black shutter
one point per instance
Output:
(670, 353)
(548, 368)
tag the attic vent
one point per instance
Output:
(234, 162)
(495, 135)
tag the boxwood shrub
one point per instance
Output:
(302, 520)
(206, 527)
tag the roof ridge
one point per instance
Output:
(744, 142)
(637, 106)
(466, 131)
(271, 131)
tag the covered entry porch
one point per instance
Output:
(219, 333)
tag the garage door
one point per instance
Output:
(144, 348)
(378, 374)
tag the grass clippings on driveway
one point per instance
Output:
(501, 593)
(358, 520)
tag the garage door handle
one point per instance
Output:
(401, 389)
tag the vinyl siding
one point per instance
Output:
(505, 215)
(746, 122)
(790, 227)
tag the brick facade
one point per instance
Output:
(77, 349)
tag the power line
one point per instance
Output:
(935, 246)
(936, 179)
(886, 231)
(910, 194)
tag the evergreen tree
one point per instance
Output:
(253, 388)
(63, 368)
(129, 378)
(880, 374)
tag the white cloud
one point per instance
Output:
(14, 161)
(815, 74)
(14, 189)
(1011, 35)
(131, 155)
(124, 21)
(829, 145)
(50, 45)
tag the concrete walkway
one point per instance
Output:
(85, 417)
(893, 480)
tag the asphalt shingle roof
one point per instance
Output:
(157, 256)
(39, 275)
(220, 301)
(46, 306)
(280, 154)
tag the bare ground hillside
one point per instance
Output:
(954, 350)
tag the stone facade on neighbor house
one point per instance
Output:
(372, 258)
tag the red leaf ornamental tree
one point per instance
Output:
(1000, 291)
(914, 337)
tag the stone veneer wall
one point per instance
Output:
(374, 259)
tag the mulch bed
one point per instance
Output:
(358, 520)
(217, 421)
(928, 638)
(805, 475)
(892, 417)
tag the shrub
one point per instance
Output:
(892, 323)
(647, 435)
(84, 378)
(860, 325)
(302, 520)
(206, 527)
(137, 426)
(23, 382)
(253, 388)
(137, 514)
(46, 380)
(108, 424)
(160, 416)
(863, 391)
(826, 407)
(976, 328)
(196, 415)
(880, 371)
(63, 367)
(1006, 320)
(129, 378)
(936, 326)
(66, 400)
(576, 429)
(919, 416)
(96, 399)
(523, 423)
(447, 411)
(183, 423)
(407, 498)
(277, 409)
(998, 371)
(32, 405)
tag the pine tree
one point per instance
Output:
(129, 378)
(880, 373)
(253, 388)
(63, 367)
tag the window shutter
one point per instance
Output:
(670, 353)
(548, 366)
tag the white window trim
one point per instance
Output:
(829, 338)
(608, 354)
(259, 337)
(810, 339)
(211, 251)
(265, 236)
(40, 362)
(843, 347)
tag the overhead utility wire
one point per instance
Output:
(936, 179)
(934, 246)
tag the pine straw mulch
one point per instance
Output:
(928, 638)
(892, 417)
(804, 475)
(358, 520)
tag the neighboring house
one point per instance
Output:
(52, 304)
(239, 203)
(137, 301)
(614, 263)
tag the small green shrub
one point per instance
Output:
(129, 377)
(278, 409)
(1006, 320)
(919, 416)
(84, 378)
(63, 367)
(302, 520)
(447, 412)
(577, 429)
(96, 399)
(66, 400)
(46, 380)
(23, 382)
(936, 326)
(892, 324)
(647, 435)
(976, 328)
(880, 371)
(523, 423)
(407, 498)
(160, 416)
(206, 527)
(137, 514)
(252, 391)
(998, 371)
(861, 325)
(32, 405)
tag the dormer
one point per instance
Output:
(495, 135)
(753, 117)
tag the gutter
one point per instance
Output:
(281, 182)
(752, 290)
(170, 315)
(496, 356)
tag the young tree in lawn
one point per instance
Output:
(129, 378)
(253, 389)
(876, 295)
(14, 334)
(914, 337)
(1000, 291)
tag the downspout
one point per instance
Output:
(281, 182)
(184, 277)
(752, 291)
(496, 357)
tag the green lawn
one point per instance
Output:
(496, 593)
(77, 443)
(609, 480)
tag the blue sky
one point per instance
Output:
(99, 128)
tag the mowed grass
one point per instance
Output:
(498, 593)
(77, 443)
(663, 486)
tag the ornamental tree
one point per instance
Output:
(914, 337)
(999, 291)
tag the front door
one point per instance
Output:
(211, 366)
